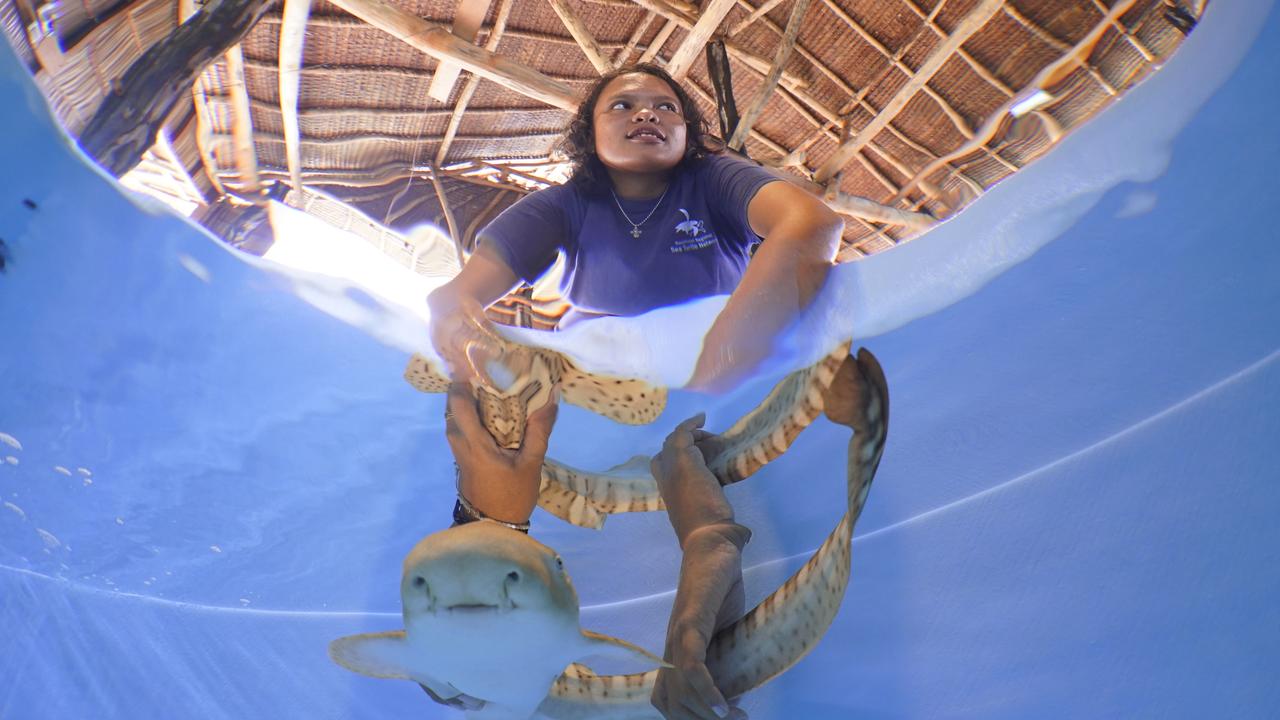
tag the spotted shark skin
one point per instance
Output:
(536, 371)
(586, 498)
(783, 628)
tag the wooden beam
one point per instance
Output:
(658, 41)
(687, 20)
(971, 24)
(467, 19)
(293, 32)
(642, 29)
(689, 50)
(1046, 78)
(242, 123)
(755, 15)
(125, 124)
(473, 82)
(440, 44)
(449, 219)
(775, 74)
(578, 29)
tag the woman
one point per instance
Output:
(653, 216)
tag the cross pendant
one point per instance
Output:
(635, 232)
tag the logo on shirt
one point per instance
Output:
(695, 235)
(690, 227)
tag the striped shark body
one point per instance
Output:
(788, 624)
(586, 498)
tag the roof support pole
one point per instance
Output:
(698, 35)
(775, 74)
(242, 124)
(1053, 72)
(971, 24)
(442, 45)
(658, 41)
(126, 123)
(578, 29)
(293, 32)
(473, 82)
(467, 19)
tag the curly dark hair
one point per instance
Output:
(579, 142)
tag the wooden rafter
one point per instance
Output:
(658, 41)
(242, 123)
(1060, 46)
(687, 17)
(691, 49)
(974, 21)
(293, 32)
(473, 82)
(577, 27)
(775, 74)
(1134, 42)
(124, 126)
(440, 44)
(1077, 55)
(755, 15)
(468, 16)
(449, 219)
(642, 28)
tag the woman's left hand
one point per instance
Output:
(501, 483)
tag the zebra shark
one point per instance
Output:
(586, 498)
(783, 628)
(466, 591)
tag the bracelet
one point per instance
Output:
(464, 512)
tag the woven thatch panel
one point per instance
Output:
(15, 32)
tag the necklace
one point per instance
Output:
(635, 227)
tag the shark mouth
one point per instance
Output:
(478, 608)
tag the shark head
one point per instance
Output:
(485, 572)
(491, 616)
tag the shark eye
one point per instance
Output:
(513, 576)
(419, 581)
(559, 562)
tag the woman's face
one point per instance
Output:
(639, 125)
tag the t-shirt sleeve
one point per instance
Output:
(731, 183)
(529, 234)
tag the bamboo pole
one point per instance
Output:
(578, 29)
(775, 74)
(440, 44)
(972, 23)
(473, 82)
(468, 16)
(293, 32)
(701, 31)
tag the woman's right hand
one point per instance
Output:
(461, 334)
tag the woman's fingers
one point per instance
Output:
(537, 433)
(461, 420)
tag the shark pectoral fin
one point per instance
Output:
(611, 648)
(380, 655)
(425, 375)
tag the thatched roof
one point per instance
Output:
(895, 108)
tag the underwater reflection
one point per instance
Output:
(491, 617)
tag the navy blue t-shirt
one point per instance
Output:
(696, 243)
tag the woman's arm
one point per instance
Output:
(801, 236)
(460, 332)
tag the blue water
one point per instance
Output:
(1074, 516)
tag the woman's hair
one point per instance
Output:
(579, 142)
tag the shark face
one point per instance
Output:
(490, 622)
